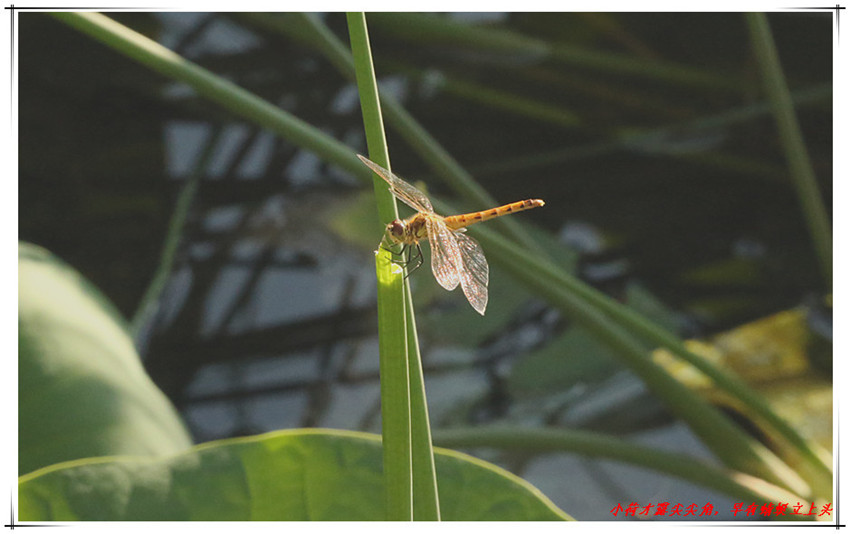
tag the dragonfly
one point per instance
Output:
(456, 258)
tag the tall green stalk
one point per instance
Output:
(392, 327)
(409, 472)
(799, 163)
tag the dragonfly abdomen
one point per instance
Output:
(461, 221)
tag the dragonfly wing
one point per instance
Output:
(475, 273)
(445, 253)
(402, 190)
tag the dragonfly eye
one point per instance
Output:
(396, 229)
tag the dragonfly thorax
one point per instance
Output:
(407, 231)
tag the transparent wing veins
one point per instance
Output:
(456, 258)
(445, 254)
(402, 190)
(474, 273)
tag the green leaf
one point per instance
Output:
(82, 389)
(285, 475)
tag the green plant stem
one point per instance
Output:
(799, 164)
(426, 502)
(392, 324)
(395, 392)
(406, 430)
(148, 304)
(595, 445)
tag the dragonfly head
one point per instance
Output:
(396, 231)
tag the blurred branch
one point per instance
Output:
(215, 88)
(791, 137)
(442, 31)
(591, 444)
(638, 139)
(149, 303)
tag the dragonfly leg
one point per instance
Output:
(390, 248)
(417, 258)
(405, 257)
(402, 257)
